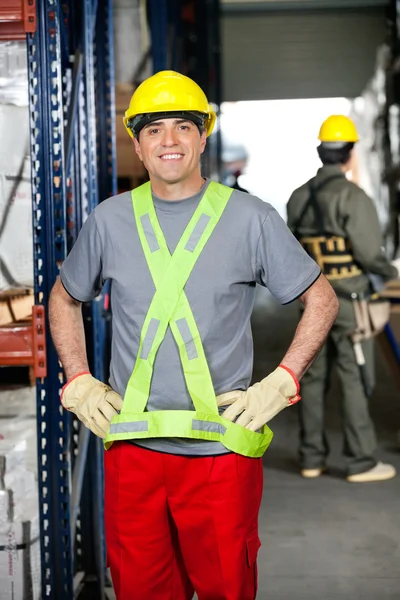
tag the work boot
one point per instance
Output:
(312, 473)
(380, 472)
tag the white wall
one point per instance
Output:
(281, 139)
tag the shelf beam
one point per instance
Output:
(17, 18)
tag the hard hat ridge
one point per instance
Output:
(168, 93)
(338, 130)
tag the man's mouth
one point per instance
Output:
(171, 156)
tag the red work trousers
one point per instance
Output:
(177, 524)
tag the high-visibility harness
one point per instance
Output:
(332, 253)
(170, 307)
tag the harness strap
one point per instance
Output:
(313, 203)
(170, 306)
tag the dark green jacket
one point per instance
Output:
(347, 212)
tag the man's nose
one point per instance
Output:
(169, 137)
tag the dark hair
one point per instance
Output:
(335, 156)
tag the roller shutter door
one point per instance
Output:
(307, 54)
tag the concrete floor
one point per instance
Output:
(325, 538)
(322, 539)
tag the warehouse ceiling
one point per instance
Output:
(314, 53)
(257, 5)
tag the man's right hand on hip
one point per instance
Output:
(262, 401)
(93, 402)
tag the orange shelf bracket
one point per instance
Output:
(17, 18)
(39, 341)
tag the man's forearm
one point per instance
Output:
(320, 311)
(66, 325)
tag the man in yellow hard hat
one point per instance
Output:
(337, 224)
(183, 473)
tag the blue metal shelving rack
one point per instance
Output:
(70, 61)
(185, 37)
(71, 87)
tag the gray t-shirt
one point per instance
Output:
(250, 244)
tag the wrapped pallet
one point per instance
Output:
(19, 513)
(16, 245)
(20, 557)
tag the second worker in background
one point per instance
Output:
(337, 224)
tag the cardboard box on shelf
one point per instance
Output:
(5, 314)
(123, 95)
(391, 289)
(128, 162)
(16, 306)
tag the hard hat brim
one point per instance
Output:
(137, 123)
(335, 145)
(202, 120)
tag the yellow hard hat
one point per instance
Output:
(171, 93)
(338, 128)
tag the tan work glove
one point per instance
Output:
(93, 402)
(263, 400)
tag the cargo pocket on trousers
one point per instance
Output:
(253, 545)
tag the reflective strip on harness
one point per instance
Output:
(197, 425)
(184, 330)
(129, 427)
(149, 338)
(182, 423)
(149, 233)
(197, 232)
(207, 426)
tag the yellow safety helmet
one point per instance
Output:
(338, 128)
(168, 94)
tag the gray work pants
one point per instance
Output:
(358, 429)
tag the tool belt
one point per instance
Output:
(372, 314)
(333, 256)
(332, 253)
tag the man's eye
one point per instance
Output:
(152, 131)
(184, 127)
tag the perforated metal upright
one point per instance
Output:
(49, 210)
(73, 166)
(185, 37)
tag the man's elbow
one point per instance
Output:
(329, 301)
(322, 297)
(60, 295)
(333, 303)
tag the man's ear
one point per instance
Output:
(137, 148)
(351, 163)
(203, 141)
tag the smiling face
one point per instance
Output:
(170, 150)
